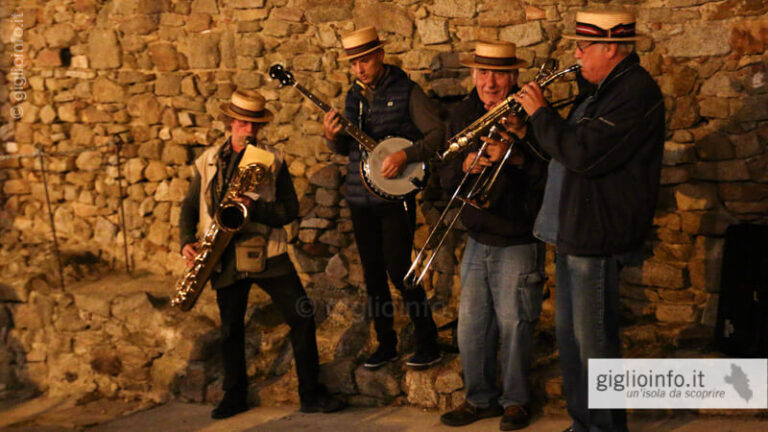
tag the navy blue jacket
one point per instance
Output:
(612, 158)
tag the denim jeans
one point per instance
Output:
(587, 326)
(500, 298)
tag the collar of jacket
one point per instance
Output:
(625, 65)
(391, 73)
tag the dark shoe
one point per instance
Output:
(230, 405)
(423, 359)
(324, 403)
(515, 417)
(380, 357)
(467, 413)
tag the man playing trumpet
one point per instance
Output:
(600, 197)
(503, 264)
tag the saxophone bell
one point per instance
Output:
(232, 216)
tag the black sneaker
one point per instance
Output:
(324, 403)
(229, 406)
(380, 357)
(423, 359)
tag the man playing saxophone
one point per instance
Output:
(256, 254)
(503, 264)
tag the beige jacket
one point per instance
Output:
(276, 238)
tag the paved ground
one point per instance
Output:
(56, 415)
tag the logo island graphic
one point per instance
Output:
(740, 382)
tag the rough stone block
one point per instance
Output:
(715, 146)
(454, 8)
(202, 51)
(383, 383)
(146, 108)
(317, 12)
(326, 176)
(164, 56)
(702, 40)
(664, 274)
(420, 387)
(103, 49)
(386, 17)
(523, 34)
(676, 313)
(696, 196)
(338, 376)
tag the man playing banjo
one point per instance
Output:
(384, 102)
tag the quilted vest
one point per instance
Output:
(388, 116)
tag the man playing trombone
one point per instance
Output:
(503, 265)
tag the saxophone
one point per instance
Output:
(230, 217)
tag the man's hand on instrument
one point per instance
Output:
(515, 125)
(245, 200)
(496, 147)
(530, 98)
(331, 124)
(481, 163)
(189, 252)
(393, 164)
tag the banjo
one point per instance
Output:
(373, 153)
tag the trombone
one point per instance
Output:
(477, 194)
(485, 180)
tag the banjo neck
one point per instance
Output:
(355, 132)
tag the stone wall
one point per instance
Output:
(77, 72)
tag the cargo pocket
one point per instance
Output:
(530, 295)
(251, 254)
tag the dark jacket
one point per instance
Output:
(515, 198)
(389, 115)
(612, 158)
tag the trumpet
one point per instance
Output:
(463, 139)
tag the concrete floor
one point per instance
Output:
(55, 415)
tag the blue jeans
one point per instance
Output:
(587, 326)
(500, 297)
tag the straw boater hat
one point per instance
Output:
(247, 105)
(605, 26)
(496, 56)
(360, 42)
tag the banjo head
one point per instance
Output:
(395, 188)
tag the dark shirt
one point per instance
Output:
(516, 196)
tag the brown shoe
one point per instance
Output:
(515, 417)
(467, 413)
